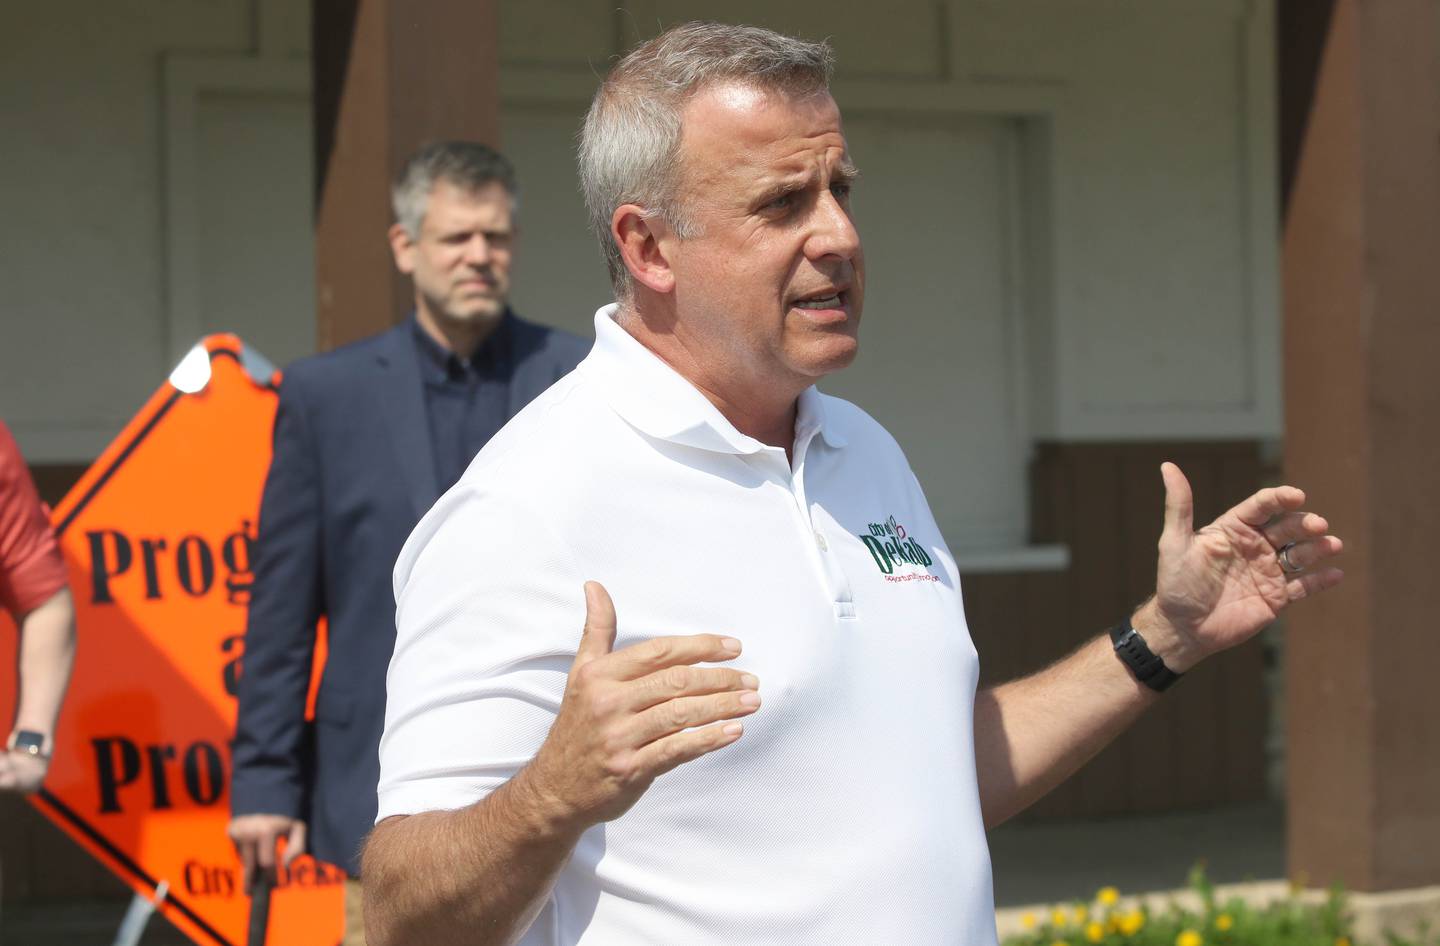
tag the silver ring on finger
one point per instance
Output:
(1283, 557)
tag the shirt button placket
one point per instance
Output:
(842, 598)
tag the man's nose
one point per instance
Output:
(477, 250)
(834, 233)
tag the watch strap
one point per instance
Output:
(1134, 653)
(29, 742)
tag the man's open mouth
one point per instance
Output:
(834, 300)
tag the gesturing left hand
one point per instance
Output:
(1218, 586)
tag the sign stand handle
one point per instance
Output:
(138, 914)
(261, 883)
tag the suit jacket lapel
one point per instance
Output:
(402, 404)
(529, 374)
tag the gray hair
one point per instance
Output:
(629, 146)
(467, 165)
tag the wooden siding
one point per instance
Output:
(1205, 743)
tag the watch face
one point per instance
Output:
(31, 742)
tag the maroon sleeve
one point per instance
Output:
(31, 568)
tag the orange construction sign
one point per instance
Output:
(159, 537)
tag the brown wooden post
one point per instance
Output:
(1362, 390)
(390, 75)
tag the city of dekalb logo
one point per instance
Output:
(892, 548)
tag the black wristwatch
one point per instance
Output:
(1142, 661)
(30, 742)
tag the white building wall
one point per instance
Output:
(80, 262)
(1068, 205)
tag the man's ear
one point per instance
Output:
(402, 247)
(645, 244)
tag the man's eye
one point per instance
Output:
(783, 202)
(841, 190)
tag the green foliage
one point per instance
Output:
(1288, 922)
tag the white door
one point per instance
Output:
(253, 267)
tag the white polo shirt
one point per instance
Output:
(848, 812)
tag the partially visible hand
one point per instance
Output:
(1217, 587)
(255, 837)
(21, 771)
(634, 714)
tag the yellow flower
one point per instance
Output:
(1223, 922)
(1058, 918)
(1028, 921)
(1189, 938)
(1342, 941)
(1131, 922)
(1081, 915)
(1108, 896)
(1094, 932)
(1061, 942)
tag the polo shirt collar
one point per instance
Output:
(653, 397)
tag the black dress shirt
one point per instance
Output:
(466, 400)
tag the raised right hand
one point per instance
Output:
(631, 715)
(255, 837)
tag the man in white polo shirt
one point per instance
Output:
(546, 786)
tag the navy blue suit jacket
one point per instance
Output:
(352, 473)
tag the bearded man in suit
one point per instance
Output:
(367, 437)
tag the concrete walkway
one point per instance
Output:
(1038, 866)
(1059, 862)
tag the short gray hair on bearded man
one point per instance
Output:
(467, 165)
(629, 146)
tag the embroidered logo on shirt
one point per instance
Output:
(892, 548)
